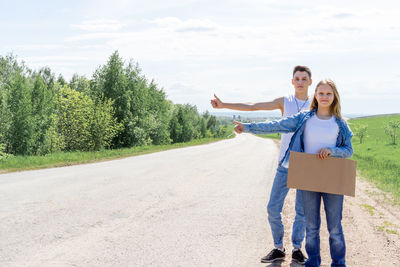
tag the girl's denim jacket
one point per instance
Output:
(296, 124)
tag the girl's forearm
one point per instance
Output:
(345, 151)
(341, 152)
(281, 126)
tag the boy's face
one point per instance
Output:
(301, 81)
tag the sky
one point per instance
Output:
(241, 50)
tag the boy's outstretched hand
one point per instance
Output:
(239, 127)
(216, 102)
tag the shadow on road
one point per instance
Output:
(279, 264)
(275, 264)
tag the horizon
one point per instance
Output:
(268, 114)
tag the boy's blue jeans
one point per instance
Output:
(333, 209)
(275, 205)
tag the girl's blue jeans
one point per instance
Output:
(333, 209)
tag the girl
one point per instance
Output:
(323, 132)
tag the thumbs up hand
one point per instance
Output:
(239, 128)
(216, 102)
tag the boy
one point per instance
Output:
(289, 105)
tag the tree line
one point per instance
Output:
(118, 107)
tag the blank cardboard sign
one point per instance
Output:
(331, 175)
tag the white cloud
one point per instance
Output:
(38, 47)
(99, 25)
(201, 39)
(342, 15)
(196, 25)
(55, 61)
(93, 36)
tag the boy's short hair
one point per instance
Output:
(302, 68)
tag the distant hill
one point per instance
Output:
(248, 114)
(375, 116)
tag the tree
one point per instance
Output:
(46, 137)
(141, 107)
(203, 127)
(10, 69)
(80, 84)
(19, 134)
(48, 77)
(75, 112)
(361, 132)
(104, 125)
(211, 124)
(110, 82)
(8, 66)
(84, 124)
(185, 124)
(175, 129)
(161, 109)
(61, 80)
(391, 130)
(206, 115)
(223, 131)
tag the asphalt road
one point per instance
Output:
(196, 206)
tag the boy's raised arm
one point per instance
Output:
(272, 105)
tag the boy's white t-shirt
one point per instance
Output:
(319, 134)
(291, 106)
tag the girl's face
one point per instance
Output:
(324, 95)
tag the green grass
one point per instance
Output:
(369, 208)
(388, 227)
(273, 136)
(377, 160)
(20, 163)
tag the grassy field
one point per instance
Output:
(377, 159)
(273, 136)
(20, 163)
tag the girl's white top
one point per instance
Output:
(319, 134)
(290, 107)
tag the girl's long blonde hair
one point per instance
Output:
(335, 108)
